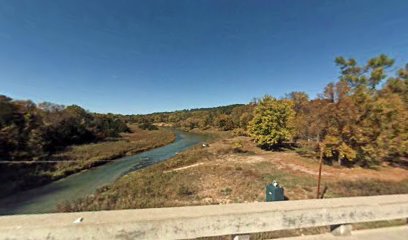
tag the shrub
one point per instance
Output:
(185, 190)
(148, 126)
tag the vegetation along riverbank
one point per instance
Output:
(357, 123)
(233, 169)
(46, 142)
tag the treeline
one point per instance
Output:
(29, 131)
(223, 118)
(360, 119)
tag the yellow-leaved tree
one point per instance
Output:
(273, 122)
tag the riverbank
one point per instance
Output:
(233, 170)
(22, 176)
(78, 158)
(45, 199)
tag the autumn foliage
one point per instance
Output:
(359, 119)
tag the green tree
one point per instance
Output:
(272, 124)
(369, 75)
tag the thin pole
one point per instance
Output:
(320, 171)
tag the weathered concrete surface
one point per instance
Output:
(341, 230)
(198, 221)
(389, 233)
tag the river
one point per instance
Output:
(45, 199)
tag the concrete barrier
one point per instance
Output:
(200, 221)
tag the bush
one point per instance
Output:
(226, 191)
(240, 132)
(148, 126)
(185, 190)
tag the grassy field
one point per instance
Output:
(233, 170)
(89, 155)
(73, 159)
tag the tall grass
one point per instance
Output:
(213, 181)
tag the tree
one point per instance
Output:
(224, 122)
(369, 76)
(29, 132)
(366, 125)
(272, 124)
(300, 100)
(398, 85)
(300, 106)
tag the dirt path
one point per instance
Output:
(293, 162)
(183, 168)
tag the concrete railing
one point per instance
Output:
(200, 221)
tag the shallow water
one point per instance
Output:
(46, 198)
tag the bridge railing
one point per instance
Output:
(202, 221)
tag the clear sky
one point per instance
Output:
(147, 56)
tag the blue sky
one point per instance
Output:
(147, 56)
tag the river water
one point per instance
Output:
(46, 198)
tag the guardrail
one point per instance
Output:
(201, 221)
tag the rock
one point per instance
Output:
(78, 220)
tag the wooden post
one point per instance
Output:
(320, 171)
